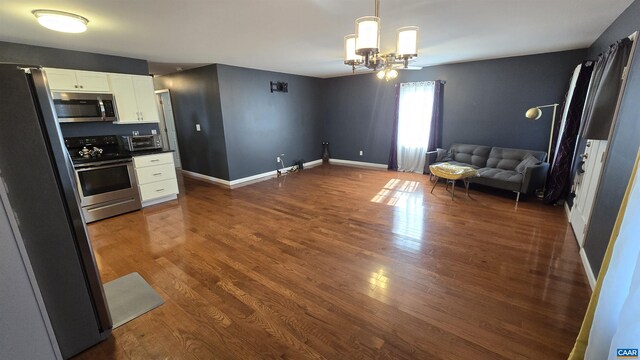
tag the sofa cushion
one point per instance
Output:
(528, 160)
(509, 159)
(499, 178)
(475, 155)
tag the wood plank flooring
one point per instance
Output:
(346, 263)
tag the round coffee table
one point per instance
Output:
(451, 173)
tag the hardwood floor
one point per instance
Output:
(346, 263)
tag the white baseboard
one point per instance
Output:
(207, 178)
(358, 164)
(245, 180)
(587, 268)
(567, 210)
(159, 200)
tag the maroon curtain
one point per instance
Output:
(435, 134)
(393, 153)
(559, 179)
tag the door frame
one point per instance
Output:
(163, 121)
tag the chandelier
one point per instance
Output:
(362, 49)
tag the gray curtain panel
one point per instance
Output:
(604, 90)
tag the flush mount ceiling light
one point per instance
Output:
(61, 21)
(362, 49)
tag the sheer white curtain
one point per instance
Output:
(616, 322)
(415, 107)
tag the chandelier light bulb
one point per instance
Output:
(391, 74)
(381, 74)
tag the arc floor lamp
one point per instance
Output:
(535, 113)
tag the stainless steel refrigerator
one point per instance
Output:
(36, 171)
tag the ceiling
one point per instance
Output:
(306, 36)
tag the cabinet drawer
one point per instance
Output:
(152, 160)
(158, 189)
(151, 174)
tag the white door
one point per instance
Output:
(587, 185)
(164, 99)
(145, 95)
(125, 96)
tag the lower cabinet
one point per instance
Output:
(156, 176)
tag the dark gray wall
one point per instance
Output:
(195, 97)
(78, 60)
(260, 125)
(69, 59)
(623, 147)
(484, 103)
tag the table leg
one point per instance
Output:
(466, 185)
(453, 188)
(434, 184)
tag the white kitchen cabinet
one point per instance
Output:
(156, 175)
(125, 98)
(77, 80)
(146, 97)
(135, 98)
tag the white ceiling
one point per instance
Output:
(305, 36)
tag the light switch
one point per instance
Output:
(197, 127)
(153, 131)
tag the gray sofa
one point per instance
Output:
(521, 171)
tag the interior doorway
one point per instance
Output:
(168, 124)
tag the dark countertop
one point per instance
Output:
(150, 152)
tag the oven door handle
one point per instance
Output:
(101, 164)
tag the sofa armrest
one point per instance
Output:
(431, 157)
(534, 178)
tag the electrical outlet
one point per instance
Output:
(361, 152)
(153, 132)
(197, 127)
(278, 159)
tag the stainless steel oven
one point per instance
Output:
(107, 188)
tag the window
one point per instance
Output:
(415, 112)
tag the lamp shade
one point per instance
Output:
(534, 113)
(61, 21)
(350, 56)
(407, 41)
(367, 34)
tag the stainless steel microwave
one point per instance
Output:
(84, 107)
(142, 142)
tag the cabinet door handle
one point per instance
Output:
(141, 115)
(76, 86)
(160, 190)
(155, 160)
(157, 174)
(81, 87)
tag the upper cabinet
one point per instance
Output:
(135, 98)
(134, 95)
(77, 80)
